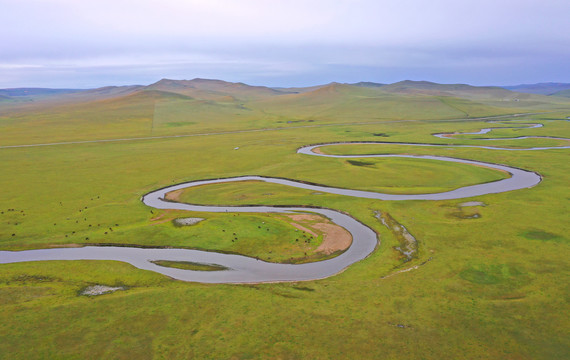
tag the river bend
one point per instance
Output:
(243, 269)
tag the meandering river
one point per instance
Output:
(243, 269)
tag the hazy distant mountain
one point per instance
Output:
(323, 94)
(35, 91)
(327, 99)
(214, 89)
(540, 88)
(563, 93)
(203, 105)
(456, 90)
(298, 90)
(402, 86)
(113, 90)
(40, 96)
(368, 84)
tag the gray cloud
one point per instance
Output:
(83, 44)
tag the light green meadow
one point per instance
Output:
(493, 286)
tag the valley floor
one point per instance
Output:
(484, 277)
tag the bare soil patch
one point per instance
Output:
(335, 238)
(187, 221)
(163, 218)
(100, 290)
(472, 203)
(305, 217)
(174, 195)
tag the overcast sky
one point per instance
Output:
(83, 44)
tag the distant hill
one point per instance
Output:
(456, 90)
(47, 97)
(153, 95)
(403, 100)
(333, 100)
(540, 88)
(403, 86)
(320, 95)
(112, 90)
(169, 107)
(208, 89)
(298, 90)
(563, 93)
(35, 92)
(368, 84)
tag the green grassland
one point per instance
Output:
(486, 287)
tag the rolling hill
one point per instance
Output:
(215, 89)
(563, 93)
(18, 92)
(170, 107)
(550, 88)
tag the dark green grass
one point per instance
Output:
(542, 235)
(188, 265)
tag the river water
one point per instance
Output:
(243, 269)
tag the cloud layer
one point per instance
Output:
(69, 43)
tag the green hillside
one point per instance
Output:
(564, 93)
(540, 88)
(185, 107)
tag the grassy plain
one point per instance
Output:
(495, 286)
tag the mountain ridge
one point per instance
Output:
(227, 92)
(546, 88)
(216, 85)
